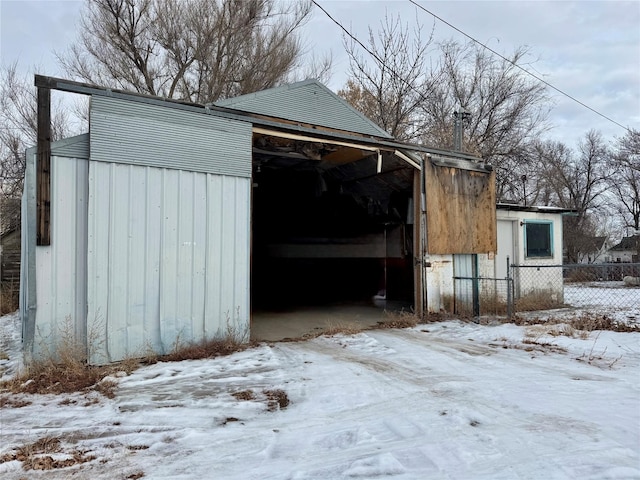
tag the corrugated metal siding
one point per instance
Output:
(28, 253)
(143, 134)
(61, 266)
(307, 102)
(168, 257)
(72, 147)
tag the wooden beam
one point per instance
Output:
(43, 167)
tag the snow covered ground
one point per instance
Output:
(612, 299)
(450, 400)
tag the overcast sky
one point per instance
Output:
(589, 49)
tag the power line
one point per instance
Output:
(383, 65)
(373, 54)
(518, 66)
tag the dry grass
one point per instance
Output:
(9, 402)
(491, 303)
(402, 319)
(577, 325)
(207, 349)
(244, 395)
(70, 372)
(65, 369)
(233, 341)
(537, 301)
(40, 455)
(61, 369)
(45, 377)
(276, 399)
(336, 328)
(448, 303)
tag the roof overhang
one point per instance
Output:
(410, 153)
(535, 209)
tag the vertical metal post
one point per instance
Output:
(458, 126)
(475, 285)
(509, 295)
(424, 233)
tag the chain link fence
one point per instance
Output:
(603, 287)
(479, 296)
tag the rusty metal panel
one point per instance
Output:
(461, 210)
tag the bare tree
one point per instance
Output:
(412, 98)
(390, 86)
(194, 50)
(578, 181)
(508, 109)
(628, 149)
(18, 126)
(625, 184)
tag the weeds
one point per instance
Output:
(539, 300)
(244, 395)
(598, 358)
(402, 319)
(577, 325)
(7, 401)
(232, 341)
(276, 399)
(40, 455)
(531, 345)
(340, 328)
(64, 367)
(207, 349)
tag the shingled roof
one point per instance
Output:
(627, 243)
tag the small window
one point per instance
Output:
(538, 239)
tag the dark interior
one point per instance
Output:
(328, 228)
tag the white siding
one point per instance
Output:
(547, 281)
(439, 283)
(61, 266)
(168, 258)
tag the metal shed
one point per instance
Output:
(171, 222)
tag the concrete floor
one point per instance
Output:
(296, 323)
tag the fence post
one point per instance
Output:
(509, 296)
(475, 286)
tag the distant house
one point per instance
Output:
(626, 251)
(593, 249)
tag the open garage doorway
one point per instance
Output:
(332, 235)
